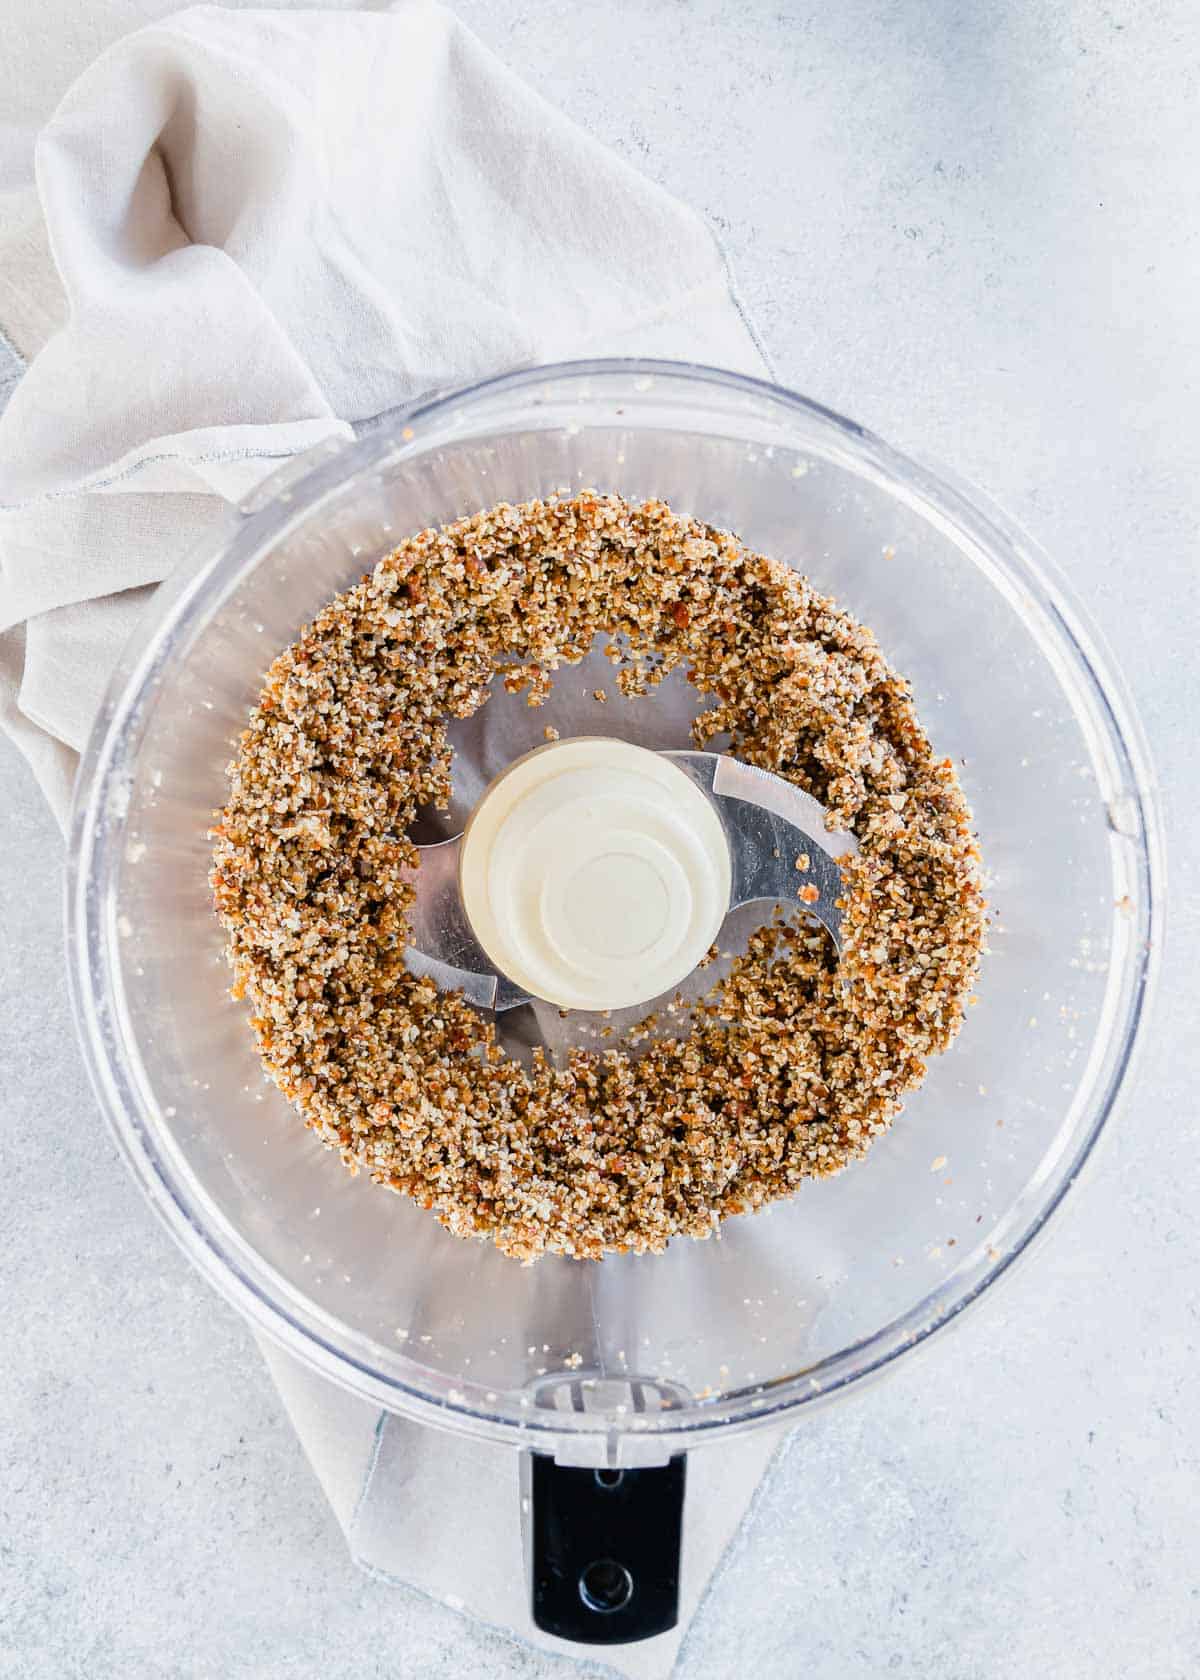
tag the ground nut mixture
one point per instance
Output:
(793, 1063)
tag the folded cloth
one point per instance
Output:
(258, 230)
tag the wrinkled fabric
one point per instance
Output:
(267, 228)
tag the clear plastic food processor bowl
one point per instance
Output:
(621, 1359)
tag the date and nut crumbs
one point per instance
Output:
(793, 1063)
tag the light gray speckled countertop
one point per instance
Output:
(975, 228)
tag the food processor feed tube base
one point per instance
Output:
(795, 1304)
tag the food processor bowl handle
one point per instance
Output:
(603, 1549)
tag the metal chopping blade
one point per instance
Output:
(769, 824)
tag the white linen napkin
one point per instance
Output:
(255, 230)
(270, 226)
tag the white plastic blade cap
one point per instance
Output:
(595, 874)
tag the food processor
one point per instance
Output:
(608, 1374)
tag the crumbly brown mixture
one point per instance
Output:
(793, 1063)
